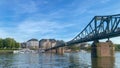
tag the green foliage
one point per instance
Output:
(117, 47)
(74, 48)
(1, 43)
(8, 43)
(88, 48)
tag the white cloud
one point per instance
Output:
(47, 24)
(40, 29)
(41, 26)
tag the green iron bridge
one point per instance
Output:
(100, 27)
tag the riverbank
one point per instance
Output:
(7, 50)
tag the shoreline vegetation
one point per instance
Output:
(117, 47)
(76, 49)
(67, 49)
(8, 45)
(7, 50)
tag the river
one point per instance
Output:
(48, 60)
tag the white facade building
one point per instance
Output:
(33, 43)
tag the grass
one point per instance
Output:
(7, 50)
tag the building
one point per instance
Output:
(23, 45)
(33, 44)
(83, 45)
(47, 43)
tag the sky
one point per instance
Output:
(45, 19)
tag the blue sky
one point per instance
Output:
(59, 19)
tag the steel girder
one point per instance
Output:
(100, 27)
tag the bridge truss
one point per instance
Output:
(100, 27)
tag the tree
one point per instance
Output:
(17, 45)
(9, 43)
(1, 43)
(13, 43)
(117, 47)
(6, 43)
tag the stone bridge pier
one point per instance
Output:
(102, 49)
(60, 50)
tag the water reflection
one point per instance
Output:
(51, 60)
(79, 60)
(5, 60)
(103, 62)
(74, 62)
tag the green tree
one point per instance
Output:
(5, 43)
(1, 43)
(74, 48)
(9, 43)
(17, 45)
(13, 43)
(117, 47)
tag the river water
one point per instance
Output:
(48, 60)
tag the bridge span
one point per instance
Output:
(100, 27)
